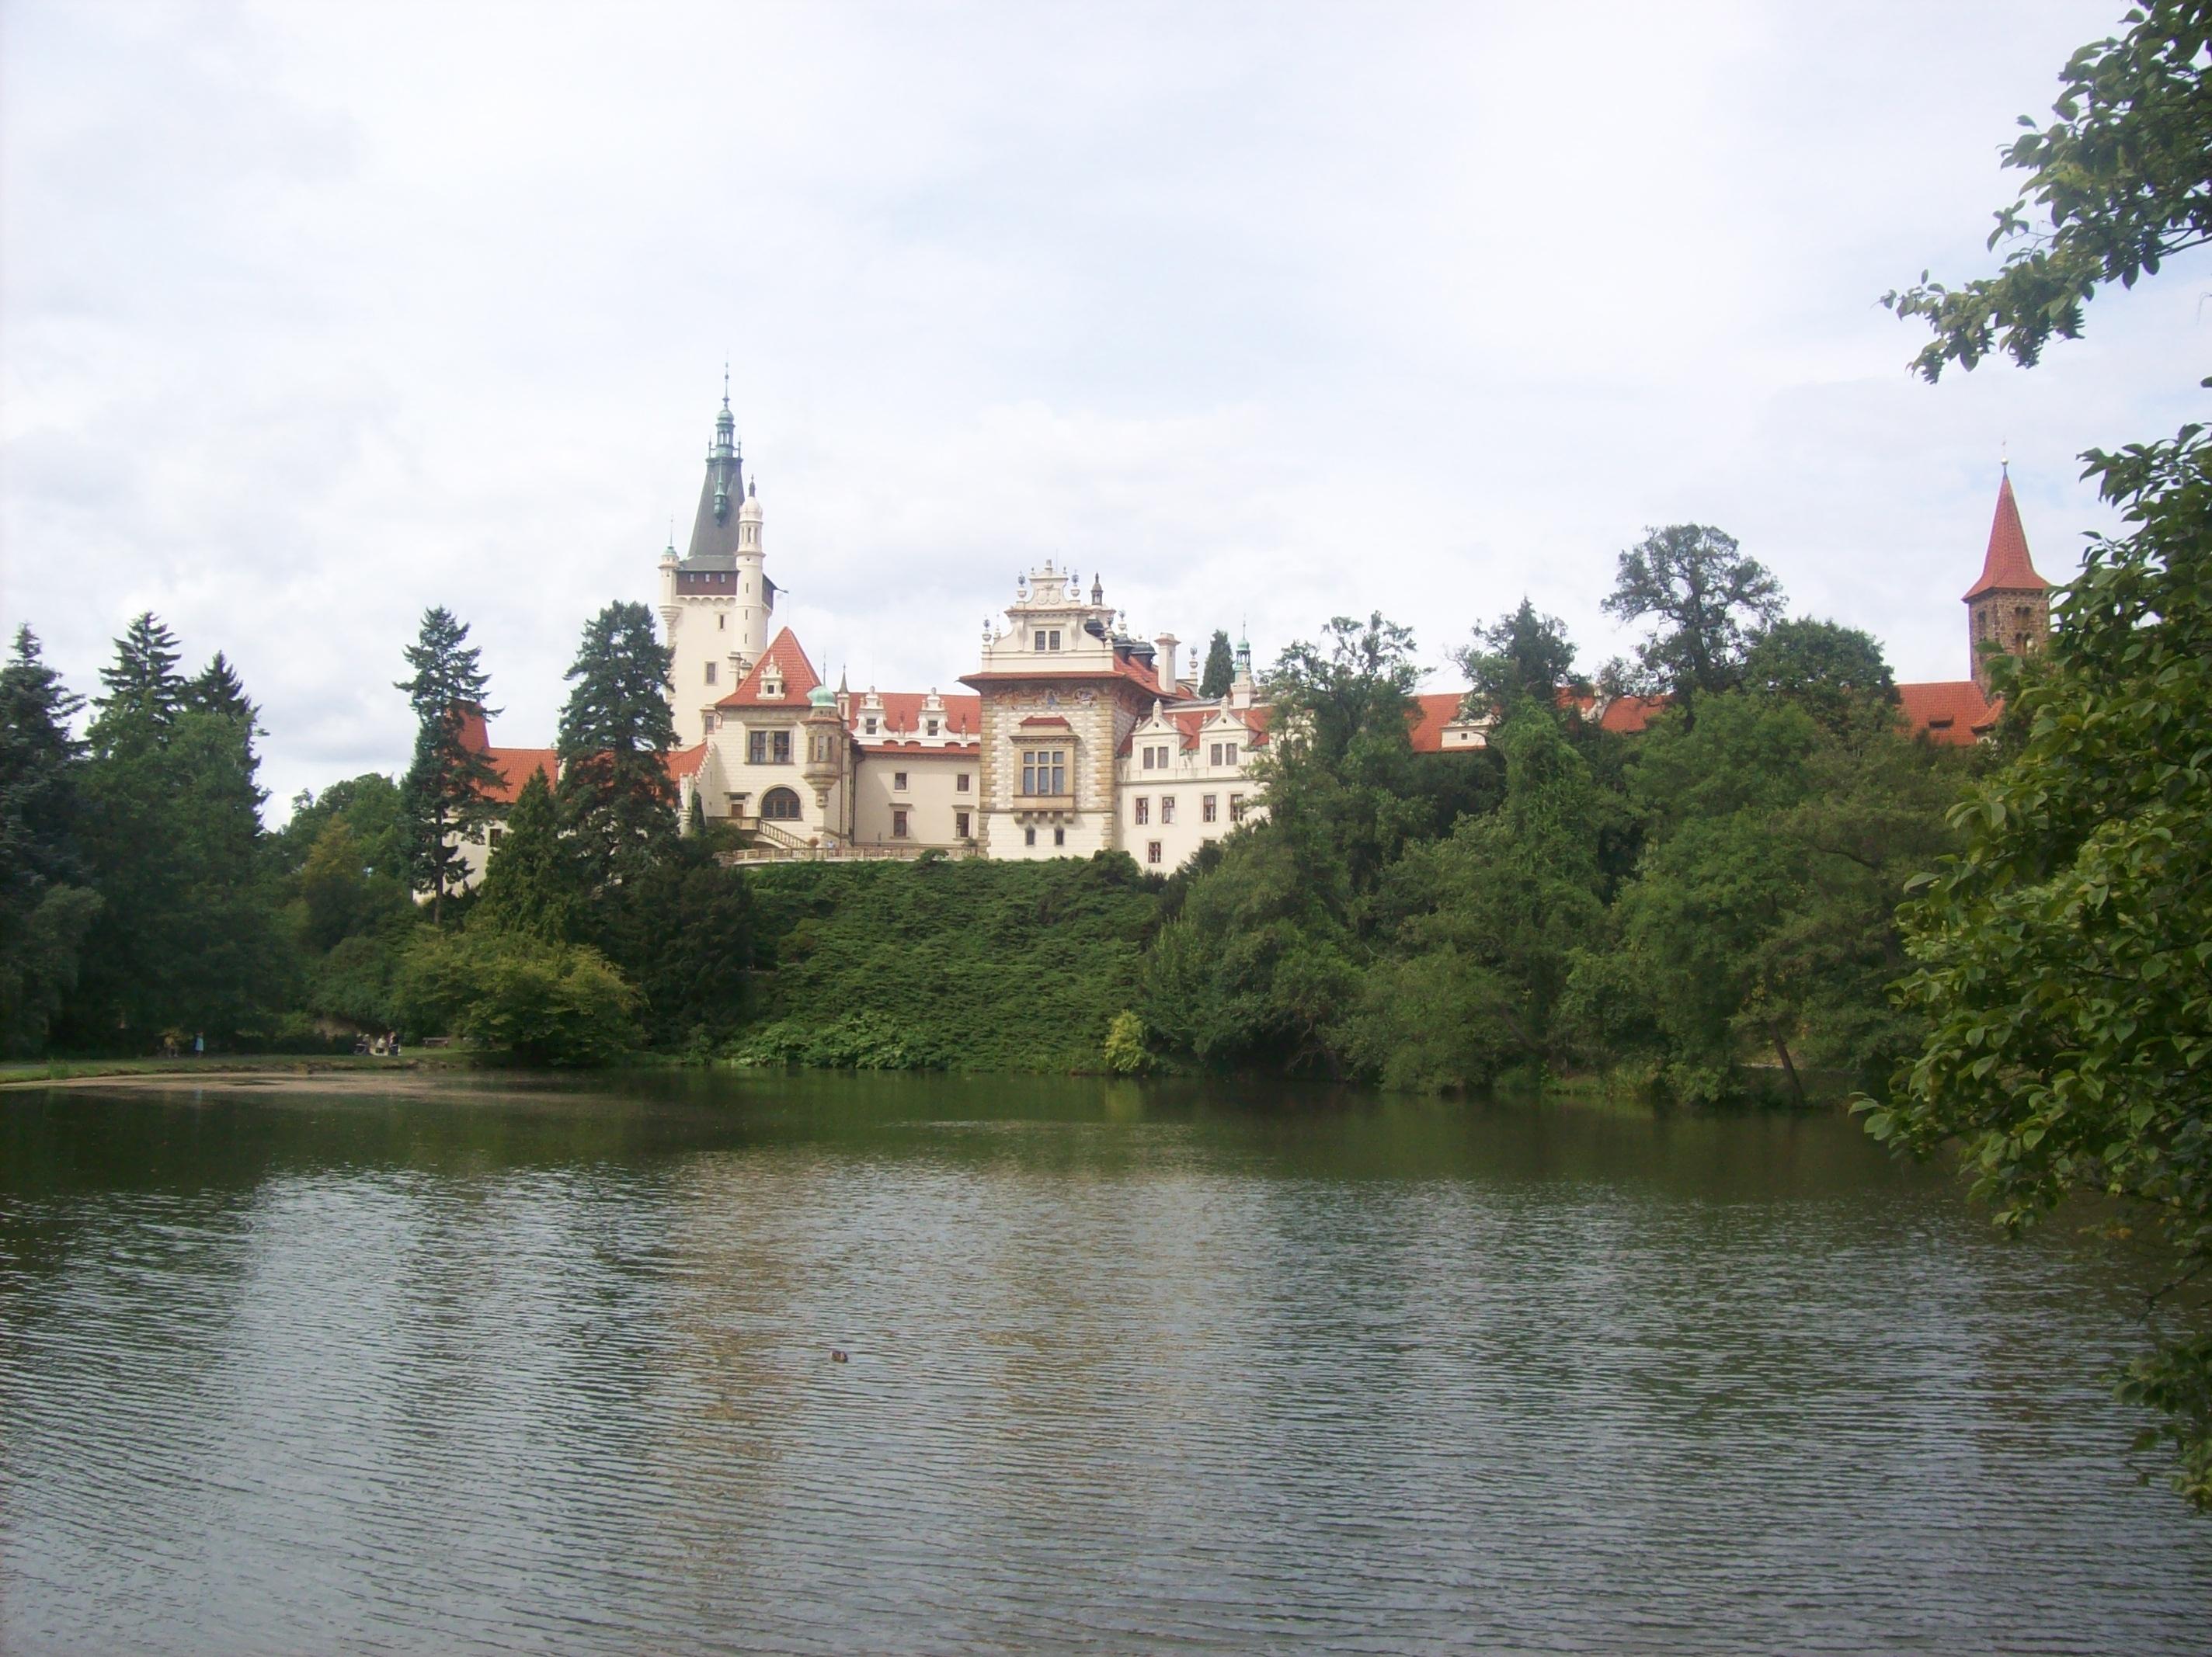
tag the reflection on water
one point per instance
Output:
(1129, 1369)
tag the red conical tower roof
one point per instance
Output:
(2007, 568)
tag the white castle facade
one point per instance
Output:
(1071, 737)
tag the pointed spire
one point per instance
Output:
(2007, 568)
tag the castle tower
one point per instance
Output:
(716, 601)
(2008, 609)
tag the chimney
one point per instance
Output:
(1164, 664)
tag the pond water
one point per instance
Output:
(496, 1367)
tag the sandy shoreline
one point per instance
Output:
(400, 1077)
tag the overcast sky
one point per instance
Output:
(312, 315)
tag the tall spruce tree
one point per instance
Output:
(143, 693)
(449, 784)
(186, 938)
(45, 907)
(617, 799)
(1221, 666)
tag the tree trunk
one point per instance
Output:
(1781, 1052)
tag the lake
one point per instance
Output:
(497, 1366)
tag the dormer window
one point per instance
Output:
(868, 726)
(1047, 638)
(932, 727)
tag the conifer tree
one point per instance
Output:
(45, 908)
(1220, 667)
(144, 691)
(449, 784)
(533, 884)
(616, 798)
(186, 936)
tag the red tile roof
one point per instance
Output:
(1431, 712)
(799, 677)
(685, 761)
(1630, 715)
(903, 710)
(1952, 713)
(515, 766)
(1047, 718)
(2006, 568)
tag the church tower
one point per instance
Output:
(2009, 609)
(716, 600)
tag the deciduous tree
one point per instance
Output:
(1705, 598)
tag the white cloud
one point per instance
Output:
(313, 316)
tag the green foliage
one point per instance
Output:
(142, 693)
(2064, 955)
(1705, 600)
(1491, 914)
(45, 908)
(561, 1004)
(2118, 185)
(617, 800)
(959, 965)
(186, 936)
(1125, 1053)
(682, 930)
(340, 892)
(449, 786)
(1220, 667)
(373, 811)
(1836, 674)
(534, 882)
(1519, 657)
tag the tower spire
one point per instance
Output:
(2008, 608)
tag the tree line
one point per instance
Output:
(1706, 907)
(143, 904)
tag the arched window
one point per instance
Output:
(779, 803)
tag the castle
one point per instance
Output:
(1073, 736)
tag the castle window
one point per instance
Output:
(898, 780)
(497, 835)
(710, 673)
(767, 748)
(1228, 753)
(1029, 836)
(722, 621)
(868, 726)
(960, 783)
(1144, 809)
(1047, 638)
(960, 821)
(779, 803)
(932, 727)
(1208, 811)
(1236, 807)
(1215, 756)
(898, 825)
(1152, 851)
(1045, 771)
(1167, 808)
(1060, 837)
